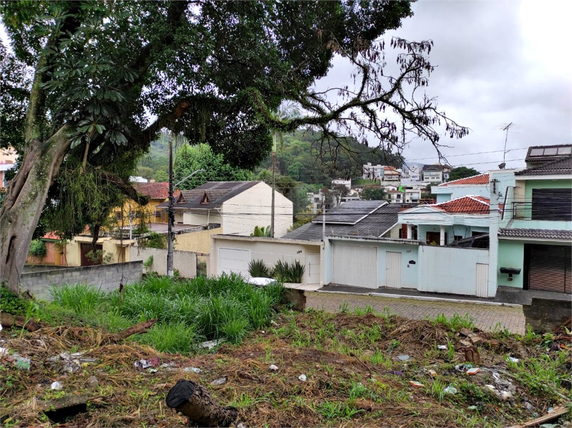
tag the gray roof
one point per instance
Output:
(371, 224)
(557, 167)
(210, 195)
(546, 234)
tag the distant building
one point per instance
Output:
(372, 172)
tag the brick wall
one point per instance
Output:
(106, 277)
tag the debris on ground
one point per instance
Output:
(340, 369)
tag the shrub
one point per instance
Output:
(286, 272)
(257, 268)
(296, 272)
(11, 303)
(38, 249)
(156, 240)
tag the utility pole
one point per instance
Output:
(171, 221)
(171, 212)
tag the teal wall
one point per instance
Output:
(409, 272)
(542, 184)
(511, 254)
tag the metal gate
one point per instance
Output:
(355, 265)
(548, 268)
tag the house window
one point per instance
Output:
(552, 204)
(434, 238)
(457, 238)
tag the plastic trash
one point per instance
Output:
(512, 359)
(192, 369)
(302, 378)
(450, 390)
(56, 386)
(219, 381)
(416, 384)
(403, 357)
(273, 368)
(473, 371)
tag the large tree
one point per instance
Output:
(211, 70)
(462, 172)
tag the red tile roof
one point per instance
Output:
(155, 191)
(466, 205)
(475, 179)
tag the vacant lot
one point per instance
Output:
(352, 369)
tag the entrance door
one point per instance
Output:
(482, 280)
(87, 261)
(393, 269)
(313, 268)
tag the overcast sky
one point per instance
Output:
(498, 61)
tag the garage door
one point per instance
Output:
(232, 260)
(355, 265)
(549, 268)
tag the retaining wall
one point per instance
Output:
(105, 277)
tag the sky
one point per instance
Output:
(498, 62)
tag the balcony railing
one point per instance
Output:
(555, 211)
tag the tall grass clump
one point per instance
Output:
(455, 323)
(83, 299)
(175, 338)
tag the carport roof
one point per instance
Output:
(371, 224)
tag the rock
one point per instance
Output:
(92, 381)
(403, 357)
(56, 386)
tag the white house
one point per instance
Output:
(237, 206)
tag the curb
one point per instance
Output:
(431, 299)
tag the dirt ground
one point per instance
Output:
(357, 371)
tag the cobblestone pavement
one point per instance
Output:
(485, 316)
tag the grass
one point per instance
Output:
(454, 323)
(188, 311)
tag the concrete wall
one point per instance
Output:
(354, 275)
(105, 277)
(270, 250)
(198, 242)
(183, 261)
(511, 254)
(451, 270)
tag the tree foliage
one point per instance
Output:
(373, 194)
(189, 159)
(212, 71)
(462, 172)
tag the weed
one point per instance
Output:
(455, 323)
(344, 308)
(393, 344)
(337, 410)
(173, 338)
(81, 298)
(379, 358)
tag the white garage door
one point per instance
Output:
(232, 260)
(355, 265)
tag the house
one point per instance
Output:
(157, 194)
(390, 174)
(353, 218)
(535, 232)
(7, 162)
(477, 185)
(446, 222)
(435, 173)
(237, 207)
(372, 172)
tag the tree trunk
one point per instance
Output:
(196, 403)
(24, 203)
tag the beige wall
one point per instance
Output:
(184, 262)
(198, 242)
(120, 250)
(270, 250)
(253, 208)
(199, 218)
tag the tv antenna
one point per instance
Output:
(506, 129)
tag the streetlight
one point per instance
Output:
(171, 220)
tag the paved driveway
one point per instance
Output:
(487, 317)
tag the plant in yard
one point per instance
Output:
(83, 299)
(38, 249)
(280, 271)
(148, 264)
(337, 410)
(257, 268)
(99, 257)
(296, 272)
